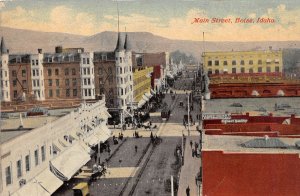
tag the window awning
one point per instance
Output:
(43, 184)
(66, 164)
(141, 103)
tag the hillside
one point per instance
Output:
(26, 41)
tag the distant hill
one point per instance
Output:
(26, 41)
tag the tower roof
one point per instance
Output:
(127, 44)
(119, 45)
(3, 47)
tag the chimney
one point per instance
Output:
(40, 51)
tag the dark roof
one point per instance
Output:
(119, 46)
(265, 143)
(3, 47)
(110, 56)
(127, 44)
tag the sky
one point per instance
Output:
(168, 18)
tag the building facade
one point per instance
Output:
(23, 162)
(243, 62)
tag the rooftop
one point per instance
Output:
(236, 144)
(10, 127)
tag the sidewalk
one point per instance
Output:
(189, 170)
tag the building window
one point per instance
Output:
(67, 92)
(50, 82)
(83, 61)
(14, 73)
(66, 71)
(74, 81)
(100, 71)
(57, 93)
(103, 57)
(259, 62)
(67, 82)
(225, 63)
(14, 82)
(101, 81)
(233, 70)
(87, 60)
(259, 70)
(19, 168)
(15, 94)
(250, 70)
(27, 163)
(234, 62)
(37, 62)
(57, 82)
(23, 73)
(216, 62)
(217, 71)
(242, 70)
(242, 62)
(268, 69)
(209, 72)
(36, 157)
(88, 71)
(73, 71)
(50, 93)
(84, 71)
(56, 72)
(250, 62)
(49, 72)
(74, 92)
(32, 62)
(209, 63)
(110, 70)
(24, 82)
(277, 69)
(43, 150)
(89, 81)
(8, 175)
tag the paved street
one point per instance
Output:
(147, 171)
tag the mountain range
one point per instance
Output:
(27, 41)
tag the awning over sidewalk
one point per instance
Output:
(43, 184)
(103, 133)
(141, 103)
(145, 98)
(153, 92)
(69, 161)
(148, 95)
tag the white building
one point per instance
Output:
(37, 75)
(36, 162)
(87, 75)
(4, 73)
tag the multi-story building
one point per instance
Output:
(4, 73)
(40, 144)
(243, 62)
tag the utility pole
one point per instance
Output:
(188, 114)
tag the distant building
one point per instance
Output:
(243, 62)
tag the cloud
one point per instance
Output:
(68, 20)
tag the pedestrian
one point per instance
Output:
(193, 152)
(187, 191)
(108, 151)
(150, 123)
(191, 143)
(135, 148)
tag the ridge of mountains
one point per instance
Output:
(27, 41)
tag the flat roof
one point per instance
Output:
(10, 127)
(252, 105)
(233, 144)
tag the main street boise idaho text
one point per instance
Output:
(234, 20)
